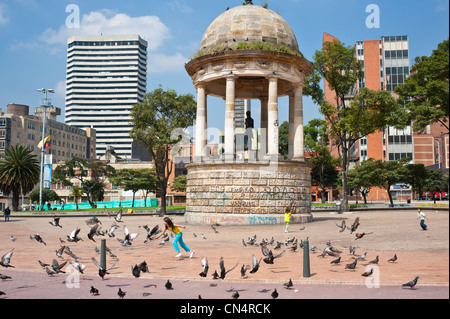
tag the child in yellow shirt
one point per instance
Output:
(287, 219)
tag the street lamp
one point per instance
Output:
(45, 103)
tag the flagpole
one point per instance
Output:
(41, 181)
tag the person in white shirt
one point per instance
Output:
(421, 215)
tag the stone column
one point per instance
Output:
(298, 151)
(291, 124)
(201, 125)
(273, 124)
(230, 117)
(264, 113)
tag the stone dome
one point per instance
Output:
(248, 24)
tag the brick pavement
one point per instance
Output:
(422, 253)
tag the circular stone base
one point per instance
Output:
(247, 193)
(244, 219)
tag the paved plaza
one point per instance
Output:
(420, 253)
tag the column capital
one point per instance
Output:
(273, 77)
(230, 76)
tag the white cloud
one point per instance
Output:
(160, 63)
(151, 28)
(181, 5)
(3, 18)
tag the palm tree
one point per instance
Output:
(19, 173)
(76, 192)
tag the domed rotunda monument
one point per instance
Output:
(249, 52)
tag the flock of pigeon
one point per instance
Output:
(268, 256)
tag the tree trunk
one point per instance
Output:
(15, 200)
(163, 197)
(344, 166)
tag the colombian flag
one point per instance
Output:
(46, 143)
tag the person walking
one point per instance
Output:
(175, 229)
(6, 213)
(287, 219)
(421, 215)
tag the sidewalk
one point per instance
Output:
(420, 253)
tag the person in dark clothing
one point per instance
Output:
(6, 213)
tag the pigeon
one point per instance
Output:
(69, 252)
(412, 283)
(336, 261)
(351, 266)
(2, 293)
(77, 266)
(121, 293)
(50, 272)
(103, 271)
(6, 259)
(289, 284)
(244, 270)
(73, 237)
(355, 225)
(235, 295)
(332, 251)
(93, 231)
(143, 267)
(270, 257)
(111, 230)
(92, 221)
(214, 228)
(60, 251)
(375, 261)
(362, 257)
(313, 249)
(361, 235)
(255, 264)
(352, 250)
(342, 226)
(136, 271)
(38, 239)
(274, 294)
(168, 285)
(368, 273)
(118, 217)
(278, 246)
(128, 237)
(94, 291)
(13, 239)
(224, 272)
(393, 259)
(43, 265)
(57, 266)
(55, 222)
(152, 233)
(4, 277)
(205, 266)
(203, 236)
(243, 243)
(215, 275)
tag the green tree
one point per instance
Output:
(426, 91)
(390, 173)
(179, 184)
(19, 173)
(436, 182)
(48, 195)
(350, 116)
(315, 133)
(364, 177)
(416, 175)
(157, 124)
(324, 171)
(91, 175)
(284, 139)
(77, 193)
(135, 180)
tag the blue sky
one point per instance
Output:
(33, 37)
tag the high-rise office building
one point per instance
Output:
(387, 65)
(106, 76)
